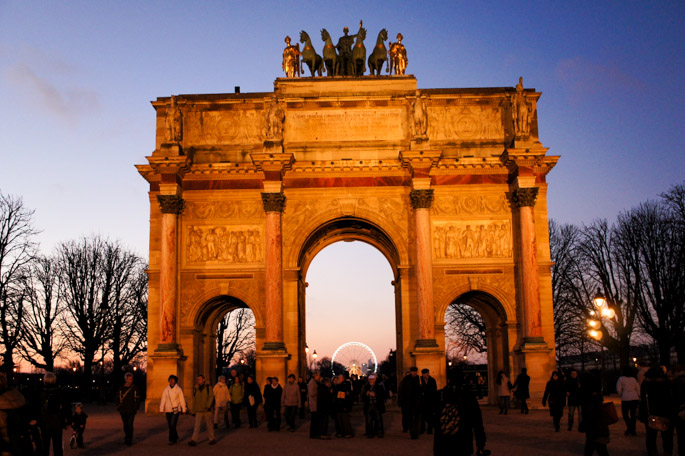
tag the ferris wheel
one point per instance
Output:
(356, 358)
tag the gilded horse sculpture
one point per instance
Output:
(330, 57)
(379, 55)
(309, 55)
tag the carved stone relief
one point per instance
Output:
(473, 239)
(203, 210)
(470, 205)
(224, 127)
(465, 122)
(224, 244)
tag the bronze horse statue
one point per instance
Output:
(379, 55)
(309, 55)
(330, 57)
(359, 53)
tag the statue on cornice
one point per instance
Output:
(344, 48)
(398, 56)
(291, 59)
(521, 110)
(419, 117)
(174, 122)
(275, 116)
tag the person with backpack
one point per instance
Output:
(14, 427)
(459, 419)
(203, 401)
(54, 414)
(127, 402)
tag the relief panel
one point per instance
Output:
(470, 205)
(237, 126)
(207, 210)
(465, 123)
(472, 239)
(224, 244)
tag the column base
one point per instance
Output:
(431, 358)
(272, 363)
(168, 348)
(426, 343)
(162, 364)
(536, 357)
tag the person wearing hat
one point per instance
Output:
(429, 400)
(409, 399)
(373, 396)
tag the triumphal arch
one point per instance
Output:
(449, 184)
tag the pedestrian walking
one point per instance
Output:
(272, 404)
(503, 392)
(13, 405)
(312, 391)
(629, 389)
(173, 403)
(343, 405)
(373, 397)
(221, 400)
(555, 396)
(459, 419)
(201, 408)
(302, 385)
(429, 401)
(78, 424)
(409, 398)
(572, 387)
(127, 402)
(236, 394)
(252, 399)
(54, 414)
(593, 421)
(480, 384)
(656, 410)
(678, 383)
(290, 400)
(522, 389)
(324, 405)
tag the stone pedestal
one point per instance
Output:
(161, 364)
(271, 363)
(432, 359)
(536, 357)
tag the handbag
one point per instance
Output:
(250, 399)
(657, 423)
(609, 413)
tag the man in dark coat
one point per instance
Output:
(522, 389)
(128, 402)
(459, 419)
(656, 399)
(54, 414)
(373, 396)
(572, 396)
(555, 396)
(272, 404)
(409, 399)
(429, 401)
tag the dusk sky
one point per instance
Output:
(76, 79)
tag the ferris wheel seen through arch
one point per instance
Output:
(357, 358)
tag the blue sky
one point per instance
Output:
(76, 79)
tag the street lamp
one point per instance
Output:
(314, 356)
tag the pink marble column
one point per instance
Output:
(524, 198)
(421, 201)
(274, 204)
(171, 206)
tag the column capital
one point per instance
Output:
(273, 202)
(522, 197)
(421, 199)
(171, 204)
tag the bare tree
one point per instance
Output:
(17, 249)
(41, 343)
(85, 323)
(235, 335)
(465, 328)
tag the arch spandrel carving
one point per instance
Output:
(304, 217)
(195, 293)
(447, 289)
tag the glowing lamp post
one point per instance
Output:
(601, 310)
(314, 356)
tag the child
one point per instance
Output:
(78, 424)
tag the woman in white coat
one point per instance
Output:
(173, 403)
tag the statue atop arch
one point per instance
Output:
(291, 59)
(522, 111)
(398, 56)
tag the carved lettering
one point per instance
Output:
(349, 125)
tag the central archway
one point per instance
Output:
(347, 229)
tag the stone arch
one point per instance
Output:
(488, 301)
(203, 332)
(348, 229)
(200, 304)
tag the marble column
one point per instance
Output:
(172, 206)
(524, 199)
(421, 201)
(274, 204)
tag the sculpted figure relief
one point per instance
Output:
(420, 117)
(398, 56)
(275, 116)
(291, 59)
(173, 122)
(222, 244)
(484, 240)
(521, 110)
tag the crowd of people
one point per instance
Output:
(33, 423)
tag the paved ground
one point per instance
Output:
(514, 434)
